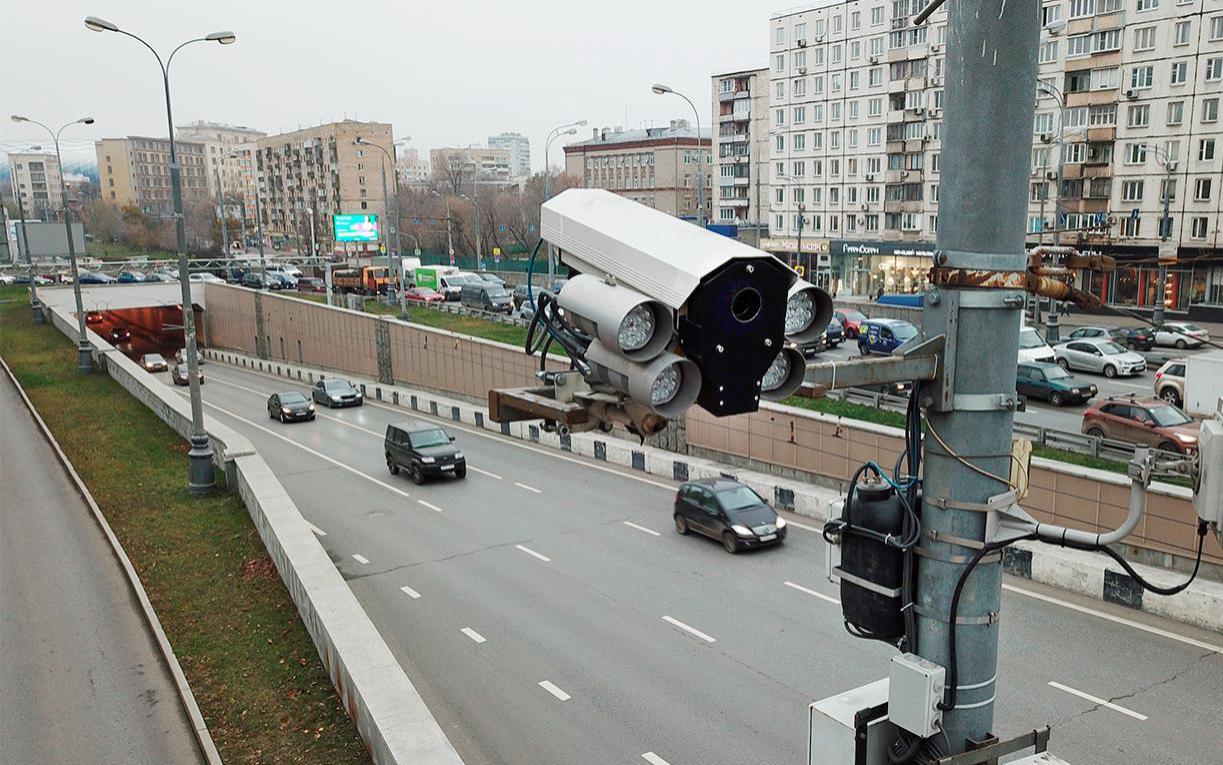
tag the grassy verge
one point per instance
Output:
(254, 671)
(453, 322)
(123, 252)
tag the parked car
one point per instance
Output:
(1040, 379)
(1181, 335)
(485, 297)
(7, 279)
(850, 321)
(312, 284)
(333, 392)
(160, 276)
(1170, 382)
(1134, 338)
(180, 357)
(130, 277)
(119, 334)
(424, 451)
(726, 510)
(1083, 333)
(1032, 346)
(181, 374)
(202, 276)
(290, 406)
(1147, 421)
(24, 278)
(882, 336)
(268, 282)
(285, 269)
(835, 334)
(278, 280)
(426, 295)
(95, 277)
(153, 362)
(1100, 356)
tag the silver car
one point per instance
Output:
(1181, 335)
(1099, 355)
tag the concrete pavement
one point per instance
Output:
(540, 626)
(82, 678)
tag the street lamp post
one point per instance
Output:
(660, 89)
(386, 207)
(1052, 319)
(221, 210)
(1165, 231)
(84, 349)
(202, 480)
(556, 132)
(35, 308)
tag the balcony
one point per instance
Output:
(734, 202)
(743, 181)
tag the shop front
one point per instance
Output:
(866, 268)
(1193, 287)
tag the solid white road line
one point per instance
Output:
(528, 488)
(654, 759)
(364, 561)
(1095, 700)
(632, 525)
(475, 636)
(411, 593)
(1112, 618)
(316, 529)
(484, 473)
(557, 692)
(686, 628)
(805, 527)
(533, 554)
(434, 508)
(813, 593)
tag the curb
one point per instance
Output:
(203, 738)
(1085, 573)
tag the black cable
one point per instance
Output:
(1110, 552)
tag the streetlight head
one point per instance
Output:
(359, 140)
(86, 120)
(570, 131)
(580, 123)
(225, 38)
(659, 88)
(19, 118)
(100, 25)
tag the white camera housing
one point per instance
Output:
(638, 378)
(600, 309)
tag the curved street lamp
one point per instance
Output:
(569, 128)
(202, 480)
(659, 89)
(84, 349)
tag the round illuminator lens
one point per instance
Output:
(637, 328)
(779, 370)
(800, 312)
(665, 386)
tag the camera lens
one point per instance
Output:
(745, 305)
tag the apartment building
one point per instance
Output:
(741, 150)
(1127, 106)
(224, 171)
(518, 147)
(136, 170)
(308, 175)
(459, 166)
(35, 178)
(413, 168)
(654, 166)
(244, 162)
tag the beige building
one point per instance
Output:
(322, 169)
(136, 170)
(654, 166)
(34, 176)
(518, 148)
(413, 168)
(741, 151)
(457, 166)
(219, 142)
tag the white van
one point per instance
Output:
(1032, 347)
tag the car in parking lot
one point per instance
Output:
(1032, 346)
(180, 374)
(1040, 379)
(119, 334)
(153, 362)
(131, 277)
(333, 392)
(882, 336)
(1134, 338)
(425, 451)
(1100, 356)
(159, 276)
(95, 277)
(850, 320)
(202, 276)
(311, 284)
(290, 406)
(728, 511)
(1147, 421)
(423, 295)
(835, 334)
(1169, 382)
(1180, 334)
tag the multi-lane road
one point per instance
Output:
(549, 613)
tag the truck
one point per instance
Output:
(428, 276)
(367, 280)
(1203, 383)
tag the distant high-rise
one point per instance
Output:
(136, 170)
(518, 147)
(219, 141)
(35, 176)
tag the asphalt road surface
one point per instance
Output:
(549, 613)
(81, 680)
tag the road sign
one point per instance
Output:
(496, 251)
(1167, 253)
(1134, 214)
(416, 252)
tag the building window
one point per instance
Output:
(780, 35)
(800, 31)
(1048, 51)
(800, 115)
(1139, 116)
(1216, 28)
(1144, 39)
(1050, 14)
(800, 59)
(1141, 77)
(779, 62)
(1131, 226)
(1078, 45)
(1102, 115)
(1197, 228)
(1201, 190)
(1131, 191)
(800, 142)
(1181, 34)
(800, 87)
(1176, 112)
(1135, 153)
(1214, 69)
(876, 16)
(874, 107)
(1180, 72)
(781, 195)
(1147, 5)
(781, 116)
(1210, 109)
(1206, 149)
(1042, 123)
(779, 89)
(1082, 8)
(781, 143)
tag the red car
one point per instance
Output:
(1149, 421)
(851, 321)
(426, 295)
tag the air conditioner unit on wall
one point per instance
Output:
(802, 70)
(802, 42)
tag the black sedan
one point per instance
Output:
(181, 374)
(119, 334)
(290, 407)
(425, 451)
(333, 392)
(1134, 338)
(724, 509)
(153, 362)
(835, 334)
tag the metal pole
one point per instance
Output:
(1165, 228)
(386, 234)
(986, 160)
(475, 192)
(221, 210)
(29, 259)
(547, 178)
(259, 233)
(449, 236)
(84, 349)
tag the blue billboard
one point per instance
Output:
(355, 228)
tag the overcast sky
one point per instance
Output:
(444, 73)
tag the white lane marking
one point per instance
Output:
(557, 692)
(1095, 700)
(528, 488)
(1116, 619)
(411, 593)
(434, 508)
(475, 636)
(533, 554)
(813, 593)
(632, 525)
(805, 527)
(316, 529)
(485, 473)
(364, 561)
(686, 628)
(654, 759)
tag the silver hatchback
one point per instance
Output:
(1099, 355)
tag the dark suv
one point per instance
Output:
(1147, 421)
(726, 510)
(424, 451)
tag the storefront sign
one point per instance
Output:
(903, 249)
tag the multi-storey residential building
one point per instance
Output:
(413, 168)
(518, 147)
(741, 150)
(308, 175)
(136, 170)
(856, 99)
(458, 166)
(34, 177)
(655, 166)
(247, 181)
(219, 142)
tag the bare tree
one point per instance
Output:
(451, 175)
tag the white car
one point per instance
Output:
(1181, 335)
(206, 277)
(1100, 356)
(7, 279)
(1032, 347)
